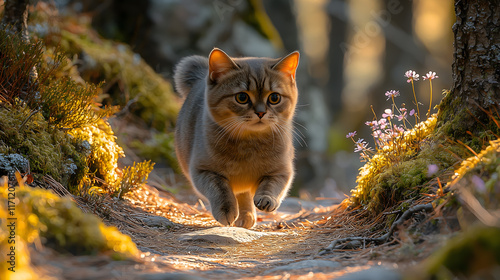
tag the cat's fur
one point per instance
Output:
(238, 156)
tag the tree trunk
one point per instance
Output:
(338, 15)
(475, 70)
(16, 17)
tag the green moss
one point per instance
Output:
(473, 126)
(257, 17)
(104, 152)
(392, 177)
(471, 253)
(129, 78)
(58, 223)
(49, 151)
(159, 147)
(480, 174)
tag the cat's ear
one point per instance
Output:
(219, 63)
(288, 64)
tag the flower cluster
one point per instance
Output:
(389, 131)
(430, 76)
(411, 76)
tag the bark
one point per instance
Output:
(16, 17)
(338, 35)
(475, 70)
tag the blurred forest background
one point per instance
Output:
(353, 51)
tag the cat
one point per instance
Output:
(233, 136)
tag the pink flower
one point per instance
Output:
(361, 145)
(388, 114)
(430, 76)
(478, 183)
(372, 124)
(382, 123)
(350, 134)
(402, 116)
(432, 169)
(377, 133)
(412, 112)
(391, 93)
(399, 129)
(411, 75)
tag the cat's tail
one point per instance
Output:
(188, 71)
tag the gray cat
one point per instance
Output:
(234, 131)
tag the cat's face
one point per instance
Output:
(251, 95)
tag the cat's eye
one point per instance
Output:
(274, 98)
(242, 98)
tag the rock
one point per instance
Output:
(225, 235)
(168, 276)
(11, 163)
(373, 273)
(306, 266)
(295, 205)
(205, 250)
(157, 221)
(153, 251)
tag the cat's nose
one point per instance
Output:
(260, 114)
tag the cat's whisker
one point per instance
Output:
(282, 132)
(228, 125)
(296, 135)
(299, 137)
(236, 131)
(272, 133)
(299, 124)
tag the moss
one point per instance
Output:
(159, 147)
(257, 17)
(473, 128)
(49, 151)
(129, 78)
(480, 174)
(58, 223)
(469, 254)
(103, 158)
(391, 177)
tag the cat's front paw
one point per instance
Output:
(225, 213)
(246, 220)
(265, 202)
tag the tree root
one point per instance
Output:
(337, 244)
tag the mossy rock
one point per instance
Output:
(104, 151)
(49, 151)
(130, 80)
(60, 224)
(392, 177)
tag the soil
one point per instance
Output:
(285, 245)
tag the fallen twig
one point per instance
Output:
(337, 244)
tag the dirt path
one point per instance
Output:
(175, 244)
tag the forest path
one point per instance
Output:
(179, 241)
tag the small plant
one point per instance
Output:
(63, 102)
(398, 140)
(393, 131)
(67, 105)
(134, 177)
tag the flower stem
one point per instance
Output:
(375, 115)
(416, 102)
(430, 102)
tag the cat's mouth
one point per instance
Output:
(259, 125)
